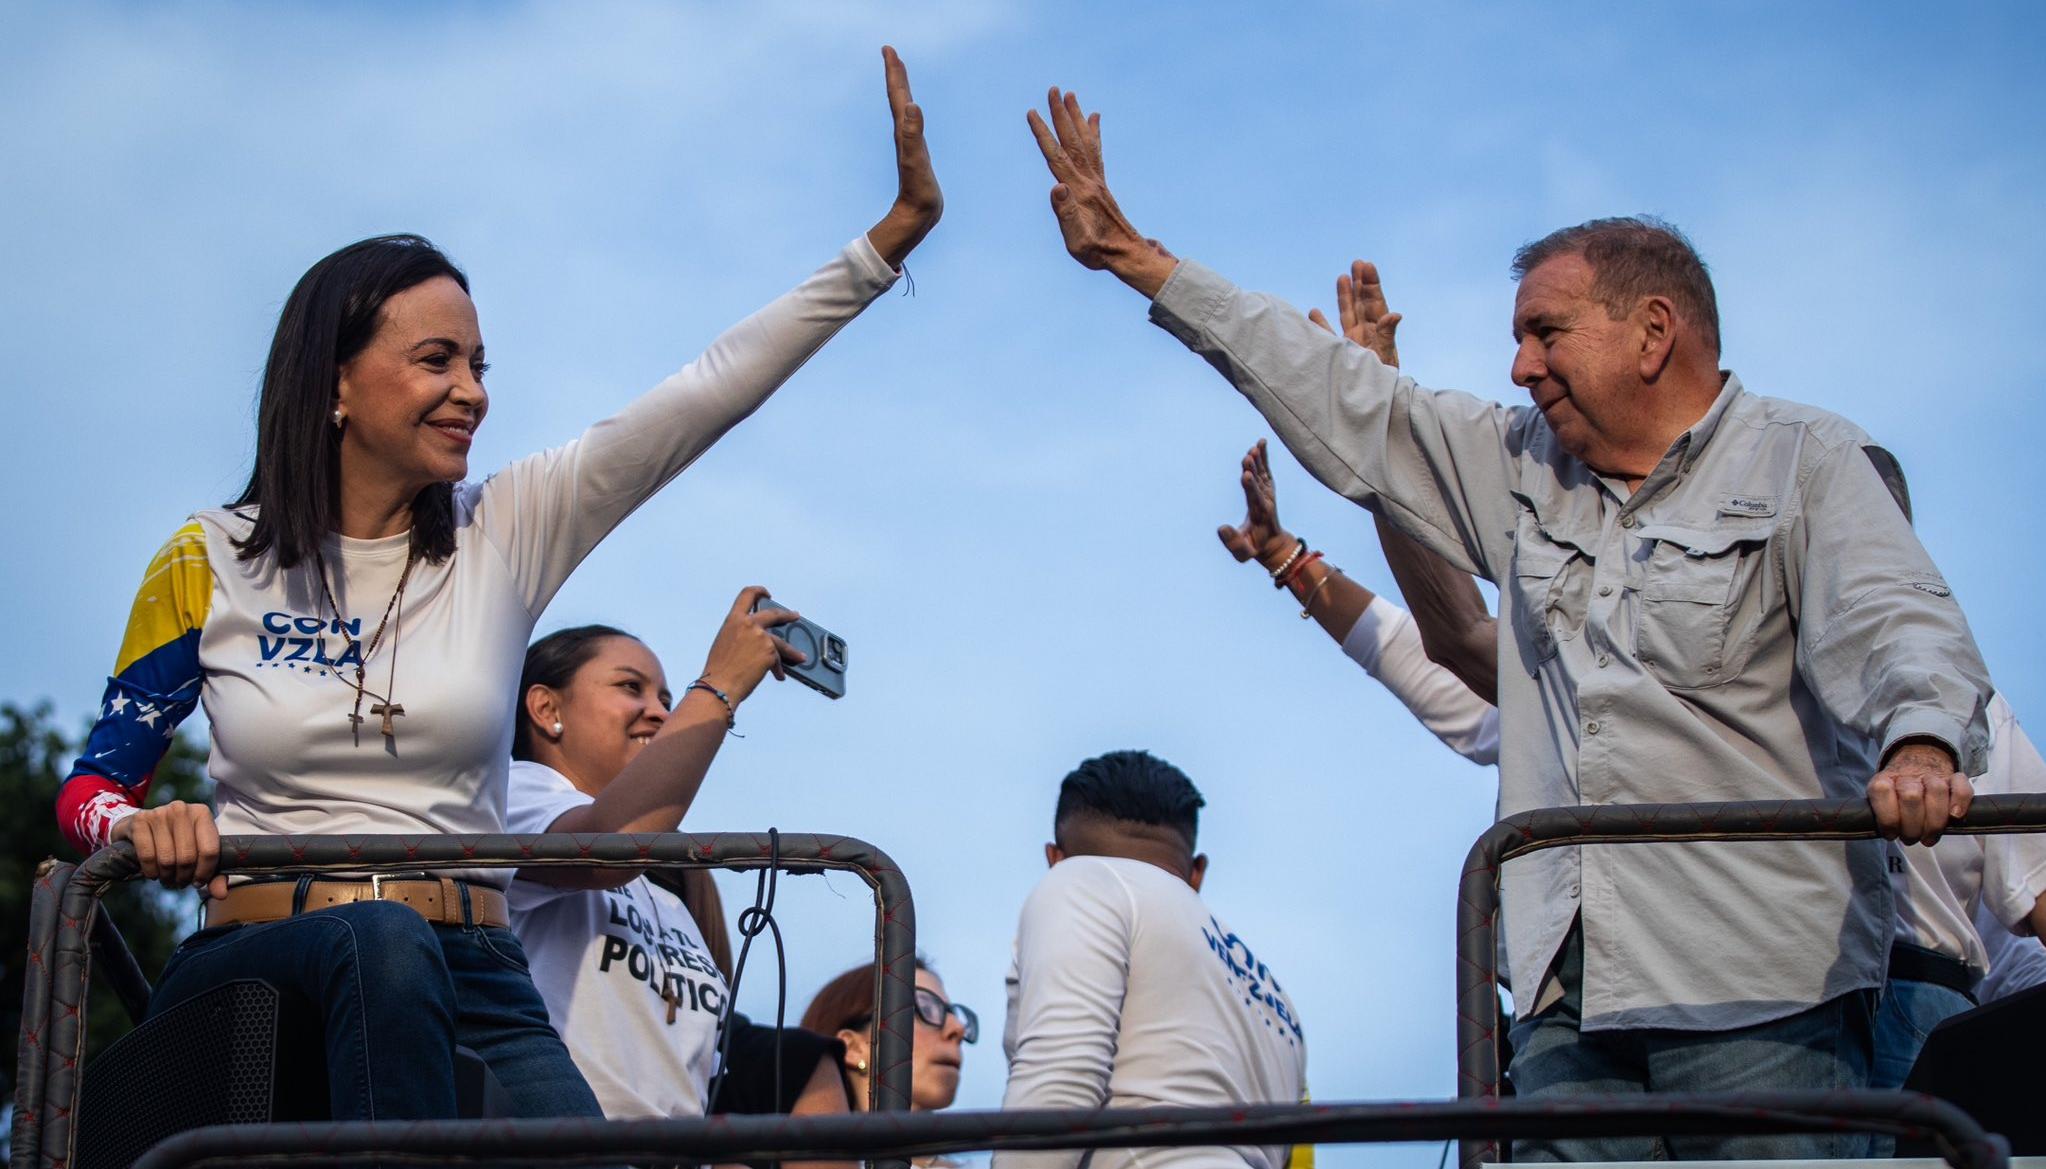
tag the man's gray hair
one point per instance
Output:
(1631, 258)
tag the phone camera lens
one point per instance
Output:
(834, 652)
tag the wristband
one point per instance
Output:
(1279, 573)
(731, 712)
(1316, 591)
(1299, 566)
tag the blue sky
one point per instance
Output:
(1003, 490)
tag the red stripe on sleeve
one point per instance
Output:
(88, 805)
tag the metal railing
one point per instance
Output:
(63, 923)
(1477, 989)
(68, 933)
(724, 1139)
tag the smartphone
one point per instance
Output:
(823, 665)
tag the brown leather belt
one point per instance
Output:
(437, 899)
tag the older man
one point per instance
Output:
(1707, 594)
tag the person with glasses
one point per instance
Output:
(845, 1008)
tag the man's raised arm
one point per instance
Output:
(1096, 231)
(1438, 460)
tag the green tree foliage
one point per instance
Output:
(34, 759)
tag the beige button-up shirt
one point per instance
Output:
(1756, 622)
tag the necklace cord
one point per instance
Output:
(362, 655)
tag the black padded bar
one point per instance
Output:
(876, 1134)
(1477, 970)
(30, 1051)
(69, 968)
(116, 963)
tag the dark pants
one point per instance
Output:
(395, 995)
(1823, 1048)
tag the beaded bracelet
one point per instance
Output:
(1299, 567)
(1279, 573)
(731, 712)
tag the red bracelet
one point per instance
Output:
(1298, 565)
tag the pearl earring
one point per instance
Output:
(557, 730)
(863, 1067)
(337, 418)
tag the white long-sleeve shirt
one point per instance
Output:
(1127, 992)
(1387, 643)
(264, 652)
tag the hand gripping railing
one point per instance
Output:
(1477, 969)
(725, 1139)
(56, 993)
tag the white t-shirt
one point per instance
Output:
(626, 976)
(2015, 963)
(264, 652)
(1126, 992)
(1953, 896)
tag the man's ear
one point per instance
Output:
(1198, 871)
(1657, 319)
(1053, 854)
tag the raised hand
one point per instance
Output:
(1260, 538)
(918, 200)
(1367, 320)
(746, 649)
(1096, 232)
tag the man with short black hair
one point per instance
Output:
(1126, 991)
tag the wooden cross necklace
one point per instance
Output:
(669, 994)
(384, 707)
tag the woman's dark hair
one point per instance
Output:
(553, 661)
(329, 318)
(847, 1002)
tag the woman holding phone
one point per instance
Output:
(635, 983)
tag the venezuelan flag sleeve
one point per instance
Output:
(155, 686)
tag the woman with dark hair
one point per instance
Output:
(354, 625)
(845, 1008)
(634, 969)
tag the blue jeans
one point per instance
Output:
(1909, 1011)
(394, 995)
(1823, 1048)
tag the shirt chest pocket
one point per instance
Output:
(1540, 592)
(1691, 629)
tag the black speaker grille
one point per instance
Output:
(209, 1060)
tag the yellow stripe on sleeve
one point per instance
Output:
(175, 597)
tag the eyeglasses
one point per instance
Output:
(932, 1009)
